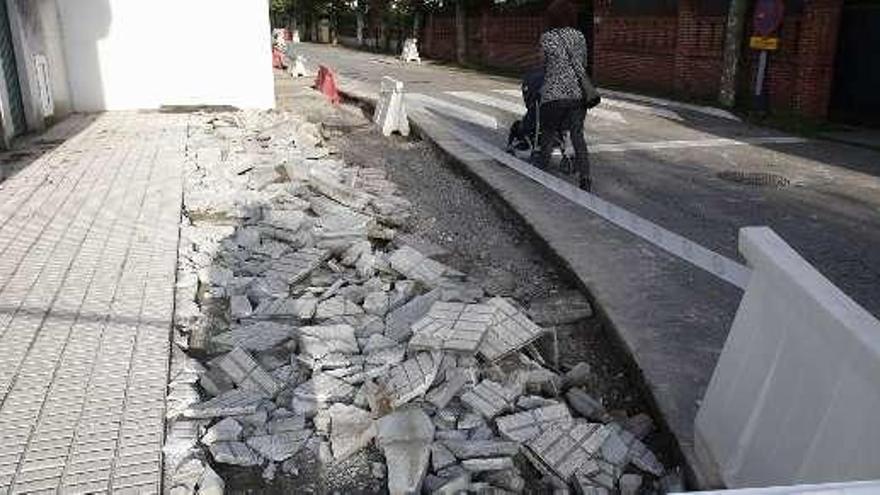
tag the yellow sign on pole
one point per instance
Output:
(764, 42)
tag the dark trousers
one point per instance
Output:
(564, 115)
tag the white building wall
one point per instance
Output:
(126, 54)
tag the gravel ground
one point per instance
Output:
(473, 232)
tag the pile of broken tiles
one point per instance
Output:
(303, 325)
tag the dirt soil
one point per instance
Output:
(476, 234)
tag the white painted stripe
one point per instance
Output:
(706, 259)
(696, 143)
(659, 112)
(715, 112)
(452, 110)
(597, 112)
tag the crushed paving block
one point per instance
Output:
(245, 372)
(455, 327)
(336, 307)
(533, 402)
(565, 450)
(509, 480)
(351, 429)
(323, 388)
(240, 307)
(470, 421)
(641, 425)
(629, 484)
(468, 449)
(488, 464)
(511, 330)
(389, 356)
(317, 342)
(294, 267)
(405, 436)
(642, 458)
(490, 398)
(282, 308)
(525, 426)
(235, 453)
(235, 402)
(440, 396)
(377, 342)
(398, 323)
(584, 485)
(586, 405)
(279, 447)
(441, 456)
(376, 303)
(226, 430)
(328, 185)
(414, 266)
(412, 378)
(579, 376)
(614, 450)
(256, 337)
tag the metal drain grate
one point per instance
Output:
(761, 179)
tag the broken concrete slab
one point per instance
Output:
(455, 381)
(585, 405)
(377, 342)
(560, 309)
(470, 449)
(279, 447)
(490, 398)
(578, 376)
(525, 426)
(240, 307)
(235, 402)
(398, 323)
(406, 436)
(247, 374)
(256, 337)
(510, 331)
(317, 342)
(641, 425)
(565, 450)
(337, 306)
(226, 430)
(351, 429)
(323, 389)
(376, 303)
(294, 267)
(412, 378)
(330, 186)
(235, 453)
(441, 456)
(455, 327)
(488, 464)
(413, 265)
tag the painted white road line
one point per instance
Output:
(692, 143)
(452, 110)
(679, 246)
(659, 112)
(597, 112)
(715, 112)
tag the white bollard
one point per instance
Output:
(390, 114)
(295, 36)
(410, 51)
(297, 67)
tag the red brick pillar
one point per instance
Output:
(484, 35)
(816, 50)
(601, 12)
(427, 44)
(686, 46)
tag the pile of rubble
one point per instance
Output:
(303, 324)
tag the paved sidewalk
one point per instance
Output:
(88, 245)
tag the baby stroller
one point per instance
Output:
(523, 138)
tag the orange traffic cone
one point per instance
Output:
(326, 84)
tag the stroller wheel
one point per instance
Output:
(566, 166)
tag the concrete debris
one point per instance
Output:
(351, 429)
(306, 326)
(490, 398)
(235, 453)
(406, 436)
(454, 327)
(510, 331)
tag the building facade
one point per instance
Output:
(60, 56)
(827, 64)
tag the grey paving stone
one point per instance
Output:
(441, 456)
(405, 436)
(510, 331)
(414, 266)
(323, 388)
(336, 307)
(490, 398)
(456, 379)
(256, 337)
(240, 307)
(281, 446)
(235, 453)
(317, 342)
(232, 403)
(351, 429)
(488, 464)
(560, 309)
(412, 378)
(470, 449)
(247, 373)
(567, 450)
(453, 327)
(398, 323)
(585, 405)
(525, 426)
(226, 430)
(294, 267)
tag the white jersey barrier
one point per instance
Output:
(390, 114)
(410, 52)
(796, 392)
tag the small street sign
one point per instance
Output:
(768, 16)
(764, 42)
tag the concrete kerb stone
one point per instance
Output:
(475, 165)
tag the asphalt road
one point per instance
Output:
(682, 168)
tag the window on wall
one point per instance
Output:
(644, 7)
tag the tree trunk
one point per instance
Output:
(360, 27)
(733, 36)
(417, 24)
(460, 32)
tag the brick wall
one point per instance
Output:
(635, 52)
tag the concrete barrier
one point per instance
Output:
(390, 114)
(852, 488)
(795, 395)
(410, 52)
